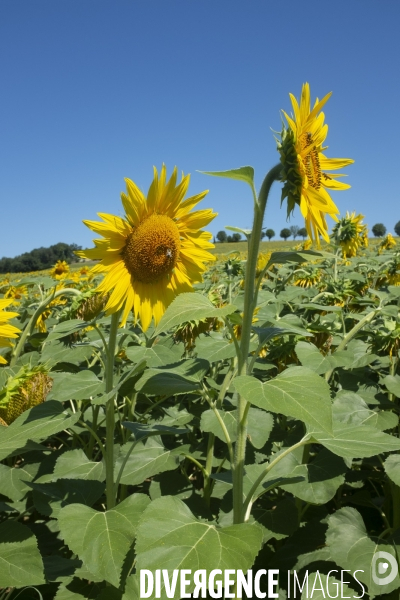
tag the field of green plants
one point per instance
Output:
(321, 479)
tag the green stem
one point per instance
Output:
(271, 465)
(249, 306)
(110, 416)
(31, 325)
(208, 468)
(347, 338)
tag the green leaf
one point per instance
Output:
(392, 468)
(351, 548)
(74, 464)
(56, 352)
(102, 539)
(392, 382)
(66, 328)
(259, 425)
(146, 460)
(297, 392)
(245, 174)
(36, 424)
(20, 561)
(170, 537)
(75, 386)
(141, 431)
(50, 498)
(180, 378)
(190, 307)
(280, 258)
(356, 441)
(322, 478)
(13, 480)
(157, 356)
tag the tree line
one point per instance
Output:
(285, 233)
(379, 230)
(39, 258)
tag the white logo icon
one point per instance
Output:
(383, 568)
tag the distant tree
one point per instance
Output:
(285, 233)
(236, 237)
(294, 231)
(229, 238)
(302, 232)
(270, 233)
(262, 234)
(397, 228)
(379, 230)
(221, 236)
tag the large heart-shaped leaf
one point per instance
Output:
(102, 539)
(20, 560)
(297, 392)
(170, 537)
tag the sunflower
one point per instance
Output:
(16, 293)
(7, 331)
(23, 391)
(304, 165)
(350, 233)
(387, 243)
(156, 252)
(60, 270)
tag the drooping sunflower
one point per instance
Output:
(350, 233)
(304, 165)
(156, 252)
(7, 331)
(24, 390)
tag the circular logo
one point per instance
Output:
(382, 568)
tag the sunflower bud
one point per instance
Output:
(23, 391)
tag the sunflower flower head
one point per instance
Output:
(60, 270)
(7, 331)
(153, 253)
(350, 233)
(303, 165)
(387, 243)
(23, 391)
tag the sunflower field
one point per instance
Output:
(164, 408)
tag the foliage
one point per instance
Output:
(302, 232)
(270, 233)
(39, 258)
(397, 228)
(379, 230)
(294, 231)
(222, 236)
(325, 362)
(285, 233)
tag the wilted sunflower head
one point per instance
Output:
(350, 233)
(304, 165)
(60, 270)
(23, 391)
(155, 252)
(188, 332)
(7, 331)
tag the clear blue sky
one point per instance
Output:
(93, 91)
